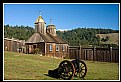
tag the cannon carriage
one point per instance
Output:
(69, 69)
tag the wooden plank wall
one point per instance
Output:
(12, 45)
(94, 54)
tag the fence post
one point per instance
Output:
(80, 52)
(110, 54)
(94, 56)
(12, 45)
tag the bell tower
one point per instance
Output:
(51, 29)
(40, 25)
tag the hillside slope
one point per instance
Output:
(114, 38)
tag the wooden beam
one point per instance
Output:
(45, 48)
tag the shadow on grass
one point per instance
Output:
(51, 76)
(54, 74)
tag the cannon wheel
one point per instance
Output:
(66, 70)
(82, 70)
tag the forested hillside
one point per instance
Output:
(75, 37)
(87, 36)
(18, 32)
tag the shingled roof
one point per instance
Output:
(48, 38)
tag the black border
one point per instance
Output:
(61, 1)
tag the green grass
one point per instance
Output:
(19, 66)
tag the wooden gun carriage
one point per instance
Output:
(68, 69)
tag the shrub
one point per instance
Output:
(36, 50)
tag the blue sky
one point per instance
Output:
(64, 16)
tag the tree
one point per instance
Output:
(105, 39)
(98, 39)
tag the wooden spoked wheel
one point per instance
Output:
(81, 70)
(66, 70)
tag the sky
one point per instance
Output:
(64, 16)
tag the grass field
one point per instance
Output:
(19, 66)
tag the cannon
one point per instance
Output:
(68, 69)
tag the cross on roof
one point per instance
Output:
(50, 21)
(40, 13)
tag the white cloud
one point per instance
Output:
(63, 29)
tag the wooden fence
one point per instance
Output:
(94, 54)
(14, 45)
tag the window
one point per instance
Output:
(50, 47)
(57, 47)
(63, 48)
